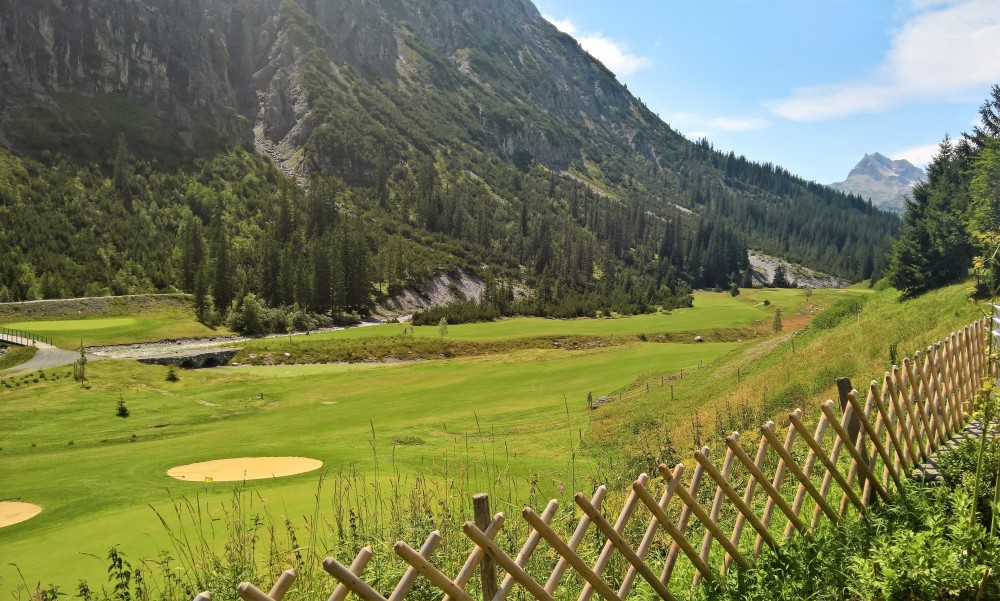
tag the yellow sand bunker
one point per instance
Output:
(244, 468)
(12, 512)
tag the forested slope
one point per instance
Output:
(326, 153)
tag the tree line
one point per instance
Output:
(952, 221)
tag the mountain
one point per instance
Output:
(885, 181)
(327, 153)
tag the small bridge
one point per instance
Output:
(22, 338)
(193, 359)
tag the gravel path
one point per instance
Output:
(47, 357)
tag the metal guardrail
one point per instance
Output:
(22, 338)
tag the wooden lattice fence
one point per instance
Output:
(857, 453)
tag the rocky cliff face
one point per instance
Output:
(885, 181)
(207, 72)
(169, 57)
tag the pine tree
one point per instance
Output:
(222, 274)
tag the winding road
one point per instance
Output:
(46, 357)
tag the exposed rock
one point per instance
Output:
(763, 267)
(442, 289)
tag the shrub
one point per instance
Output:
(958, 468)
(918, 546)
(122, 410)
(172, 374)
(248, 319)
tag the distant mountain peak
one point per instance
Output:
(886, 182)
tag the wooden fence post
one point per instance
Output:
(488, 567)
(844, 388)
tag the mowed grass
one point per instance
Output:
(64, 448)
(67, 333)
(711, 310)
(96, 475)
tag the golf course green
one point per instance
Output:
(99, 477)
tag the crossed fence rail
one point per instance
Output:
(874, 445)
(22, 338)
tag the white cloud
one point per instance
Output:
(947, 50)
(918, 155)
(740, 124)
(564, 25)
(613, 54)
(703, 127)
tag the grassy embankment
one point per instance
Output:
(766, 379)
(107, 320)
(16, 355)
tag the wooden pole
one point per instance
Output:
(564, 550)
(357, 566)
(410, 576)
(685, 517)
(488, 567)
(616, 540)
(605, 557)
(581, 529)
(508, 564)
(905, 394)
(844, 388)
(430, 572)
(709, 524)
(735, 497)
(779, 478)
(748, 493)
(675, 533)
(827, 463)
(754, 468)
(356, 585)
(890, 428)
(647, 539)
(727, 470)
(800, 493)
(526, 551)
(879, 447)
(862, 464)
(768, 431)
(281, 587)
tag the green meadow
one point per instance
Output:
(99, 476)
(711, 310)
(99, 331)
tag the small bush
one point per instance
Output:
(172, 374)
(122, 410)
(958, 468)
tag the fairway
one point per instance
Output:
(418, 416)
(711, 310)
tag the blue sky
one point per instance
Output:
(808, 85)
